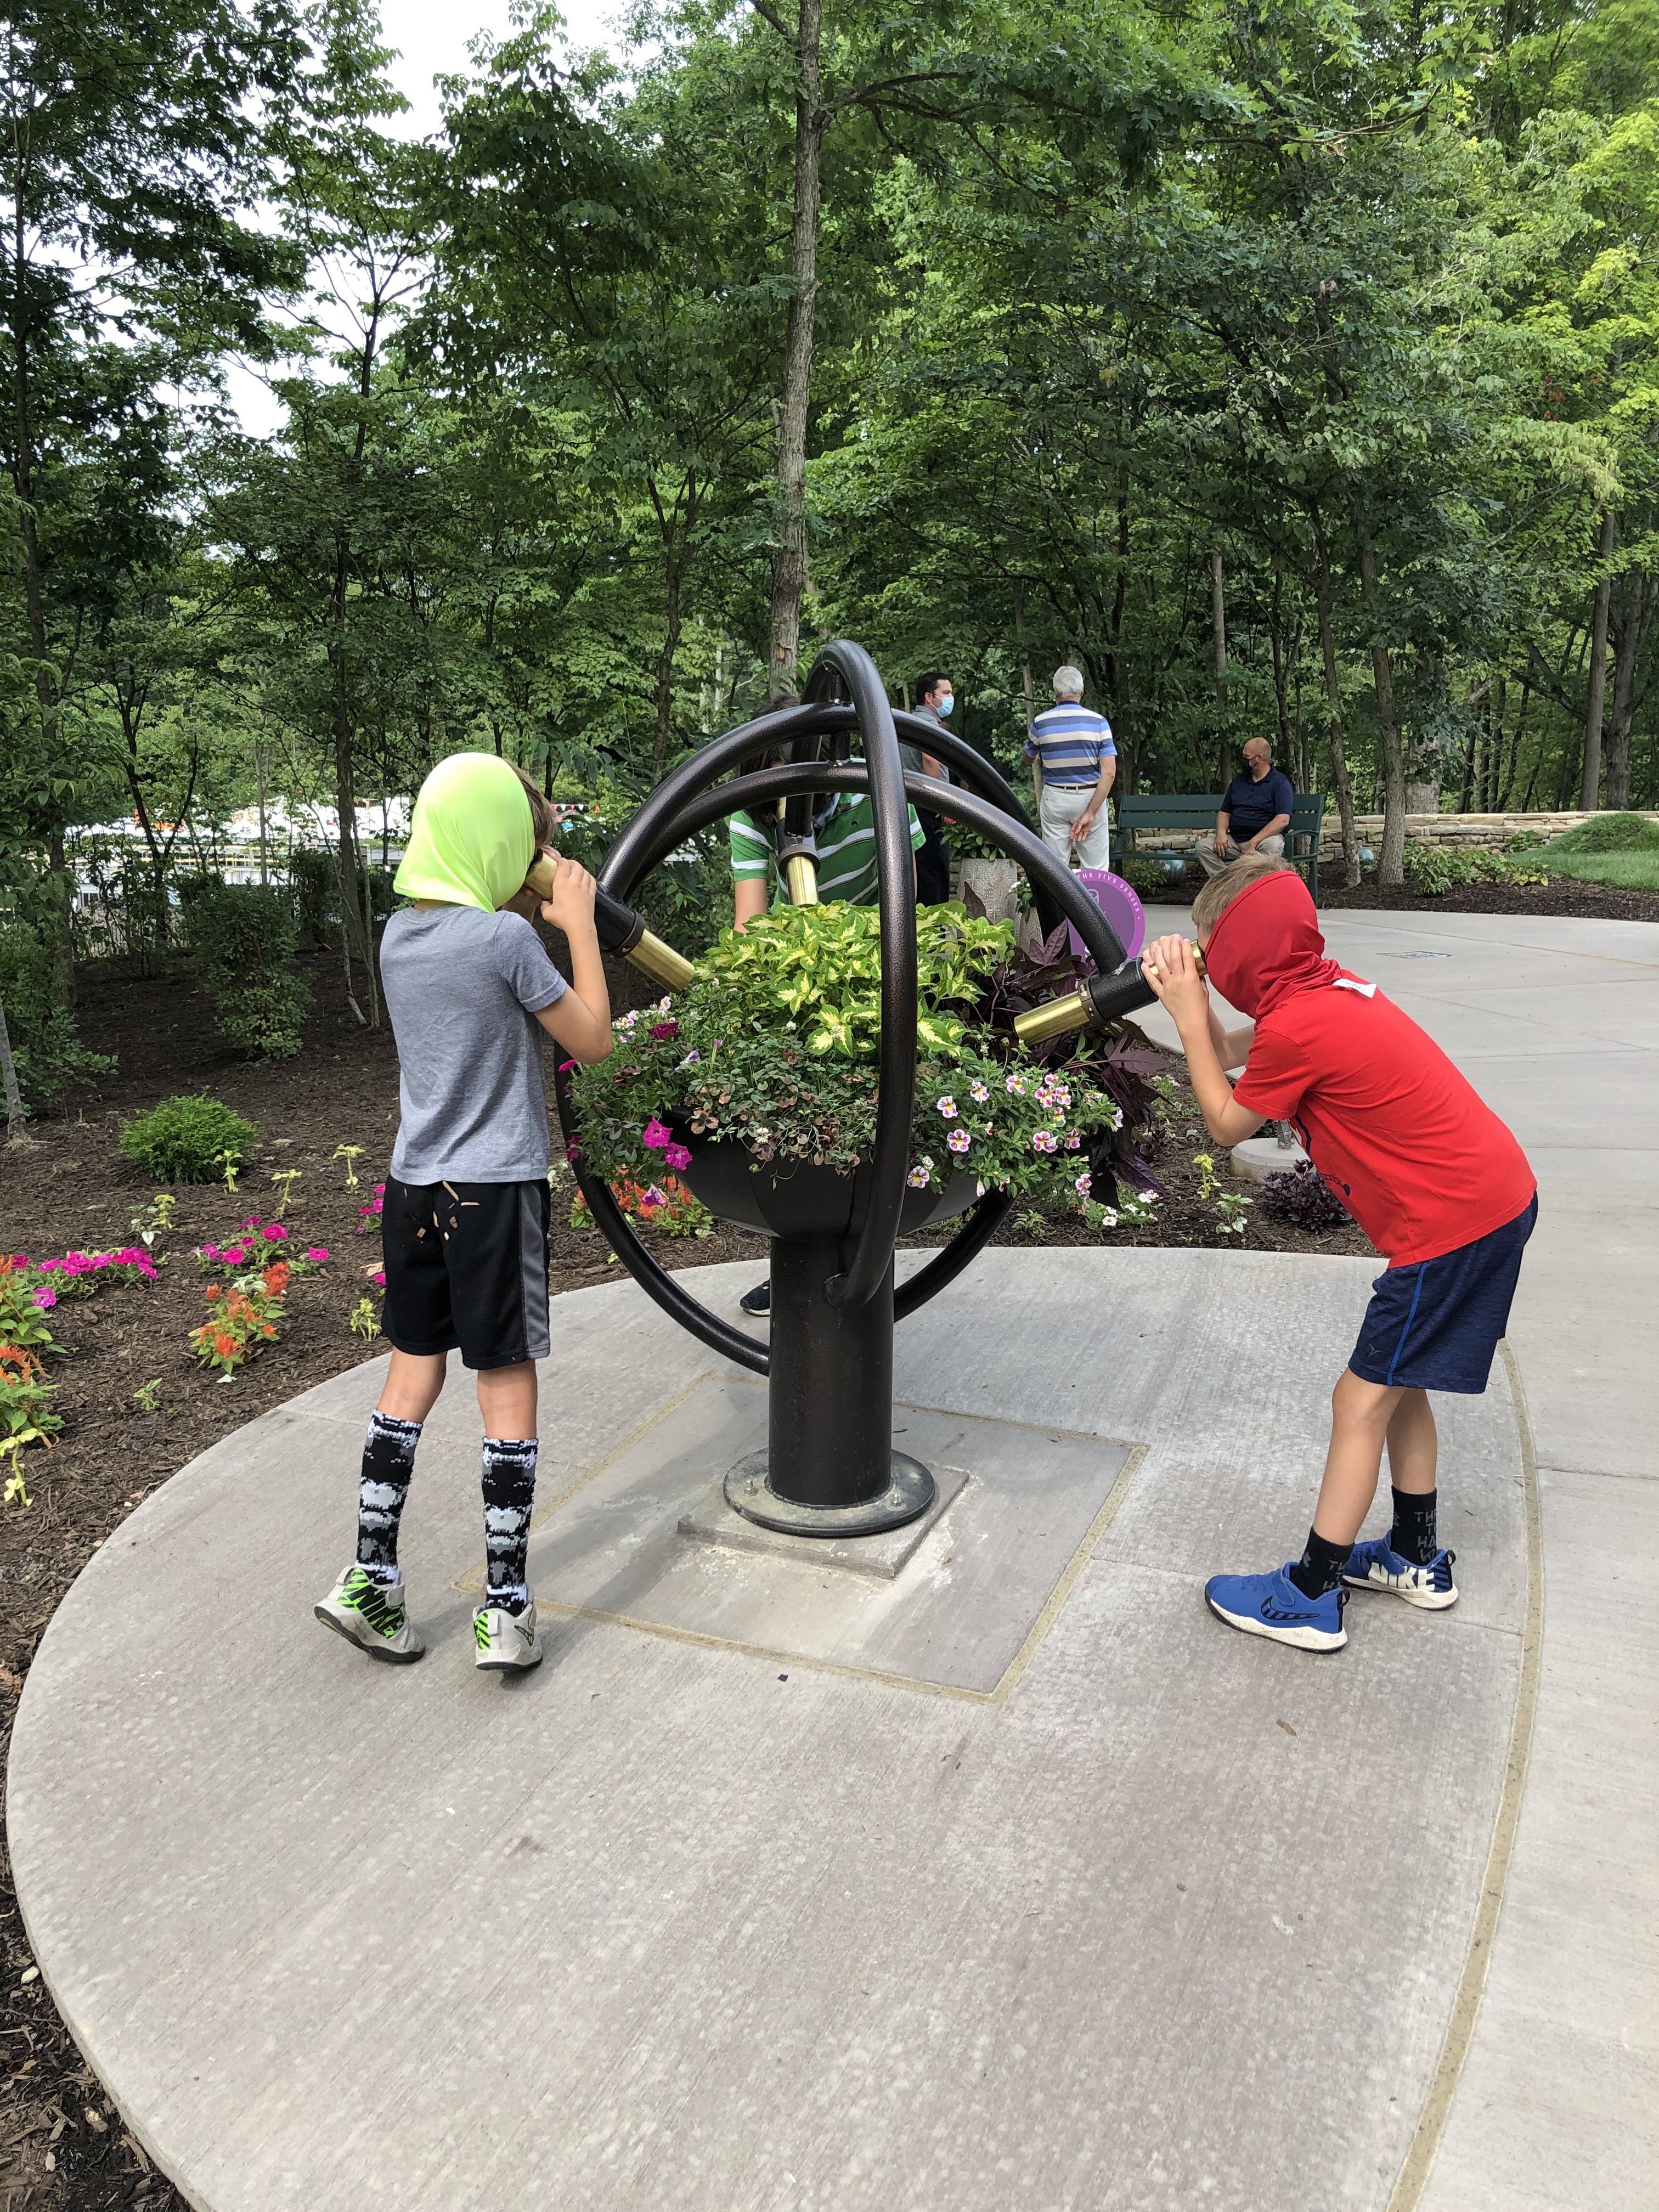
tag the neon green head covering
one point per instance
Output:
(471, 842)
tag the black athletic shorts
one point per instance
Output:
(466, 1265)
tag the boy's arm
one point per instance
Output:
(579, 1020)
(1168, 968)
(1233, 1047)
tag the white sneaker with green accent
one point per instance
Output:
(508, 1641)
(370, 1615)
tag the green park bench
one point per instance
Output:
(1198, 810)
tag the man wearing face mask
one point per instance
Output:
(934, 697)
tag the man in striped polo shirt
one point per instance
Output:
(1075, 761)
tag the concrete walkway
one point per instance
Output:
(1557, 1023)
(1051, 1894)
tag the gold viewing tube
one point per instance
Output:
(620, 930)
(1102, 999)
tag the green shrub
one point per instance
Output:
(181, 1139)
(1507, 868)
(50, 1056)
(242, 936)
(1609, 833)
(1148, 881)
(1431, 870)
(314, 879)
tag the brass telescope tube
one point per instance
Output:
(620, 930)
(1102, 999)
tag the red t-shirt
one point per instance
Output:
(1421, 1162)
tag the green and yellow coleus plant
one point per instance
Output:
(776, 1045)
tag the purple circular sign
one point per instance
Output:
(1118, 904)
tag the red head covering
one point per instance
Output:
(1267, 946)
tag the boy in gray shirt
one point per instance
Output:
(469, 991)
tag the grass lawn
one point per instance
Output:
(1633, 871)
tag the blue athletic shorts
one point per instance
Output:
(1436, 1326)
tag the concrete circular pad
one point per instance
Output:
(1007, 1878)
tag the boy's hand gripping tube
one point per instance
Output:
(1102, 999)
(620, 930)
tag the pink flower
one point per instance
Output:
(379, 1278)
(1085, 1182)
(234, 1254)
(317, 1254)
(565, 1067)
(655, 1197)
(676, 1156)
(47, 1267)
(978, 1093)
(1044, 1140)
(947, 1107)
(252, 1221)
(44, 1299)
(657, 1137)
(917, 1178)
(273, 1232)
(1074, 1143)
(573, 1154)
(957, 1140)
(661, 1030)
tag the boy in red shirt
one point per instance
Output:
(1428, 1171)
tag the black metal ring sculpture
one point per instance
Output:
(688, 800)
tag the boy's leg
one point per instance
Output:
(1414, 1464)
(506, 1399)
(412, 1385)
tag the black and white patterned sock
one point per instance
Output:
(509, 1490)
(388, 1463)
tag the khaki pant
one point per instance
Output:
(1213, 863)
(1060, 806)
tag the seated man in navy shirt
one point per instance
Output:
(1255, 815)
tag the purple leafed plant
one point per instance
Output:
(1301, 1196)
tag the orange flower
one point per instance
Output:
(276, 1278)
(224, 1345)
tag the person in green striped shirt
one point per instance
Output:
(844, 827)
(845, 830)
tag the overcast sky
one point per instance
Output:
(431, 37)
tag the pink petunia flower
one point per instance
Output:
(958, 1140)
(274, 1233)
(379, 1278)
(1085, 1182)
(317, 1254)
(676, 1156)
(947, 1108)
(657, 1137)
(1044, 1140)
(1074, 1143)
(917, 1178)
(45, 1299)
(661, 1031)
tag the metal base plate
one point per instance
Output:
(909, 1494)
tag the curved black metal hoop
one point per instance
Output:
(682, 803)
(889, 1162)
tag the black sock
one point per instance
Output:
(1320, 1568)
(388, 1463)
(509, 1490)
(1412, 1535)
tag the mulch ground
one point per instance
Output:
(1566, 896)
(71, 1188)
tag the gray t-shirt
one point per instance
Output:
(462, 988)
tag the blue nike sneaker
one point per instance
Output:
(1373, 1566)
(1272, 1605)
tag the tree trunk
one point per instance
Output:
(789, 552)
(1391, 864)
(1281, 688)
(665, 660)
(1218, 646)
(1589, 790)
(8, 1077)
(1629, 635)
(1508, 790)
(1334, 698)
(63, 957)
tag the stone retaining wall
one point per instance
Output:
(1490, 830)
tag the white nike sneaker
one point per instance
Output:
(1374, 1566)
(370, 1615)
(506, 1641)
